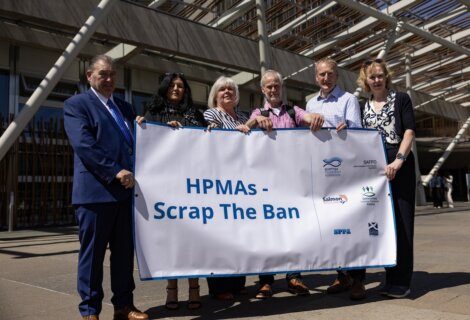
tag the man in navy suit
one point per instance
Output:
(99, 127)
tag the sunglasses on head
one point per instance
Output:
(174, 73)
(369, 62)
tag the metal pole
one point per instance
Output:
(390, 41)
(372, 12)
(53, 76)
(11, 208)
(386, 47)
(420, 195)
(447, 152)
(263, 38)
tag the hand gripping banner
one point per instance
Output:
(224, 203)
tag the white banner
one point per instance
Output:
(225, 203)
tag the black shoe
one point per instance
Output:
(385, 289)
(398, 292)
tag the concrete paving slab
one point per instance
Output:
(38, 281)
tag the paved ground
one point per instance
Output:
(38, 279)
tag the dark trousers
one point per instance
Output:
(403, 193)
(437, 197)
(356, 274)
(226, 284)
(269, 278)
(99, 225)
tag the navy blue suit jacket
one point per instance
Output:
(100, 148)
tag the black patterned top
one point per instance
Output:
(383, 121)
(161, 110)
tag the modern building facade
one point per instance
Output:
(206, 39)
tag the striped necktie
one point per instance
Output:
(120, 121)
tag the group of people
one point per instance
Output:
(440, 187)
(99, 127)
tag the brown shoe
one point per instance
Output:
(358, 291)
(90, 317)
(224, 296)
(341, 284)
(129, 313)
(296, 286)
(264, 292)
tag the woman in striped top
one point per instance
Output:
(223, 99)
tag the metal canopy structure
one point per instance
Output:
(435, 34)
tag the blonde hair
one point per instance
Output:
(220, 83)
(366, 67)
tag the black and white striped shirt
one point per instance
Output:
(224, 120)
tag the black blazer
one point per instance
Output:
(404, 115)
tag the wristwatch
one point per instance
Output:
(400, 156)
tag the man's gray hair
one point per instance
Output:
(100, 57)
(270, 73)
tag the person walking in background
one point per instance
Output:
(449, 179)
(99, 127)
(391, 113)
(437, 189)
(173, 104)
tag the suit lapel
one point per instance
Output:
(101, 108)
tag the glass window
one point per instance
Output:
(139, 101)
(119, 93)
(62, 90)
(4, 94)
(45, 119)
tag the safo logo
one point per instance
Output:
(342, 198)
(370, 164)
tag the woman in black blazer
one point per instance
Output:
(391, 113)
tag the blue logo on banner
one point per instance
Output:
(332, 166)
(332, 162)
(373, 229)
(341, 231)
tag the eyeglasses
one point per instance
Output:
(369, 62)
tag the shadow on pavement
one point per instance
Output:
(245, 306)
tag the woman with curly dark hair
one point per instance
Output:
(173, 103)
(174, 106)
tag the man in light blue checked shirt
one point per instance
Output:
(339, 108)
